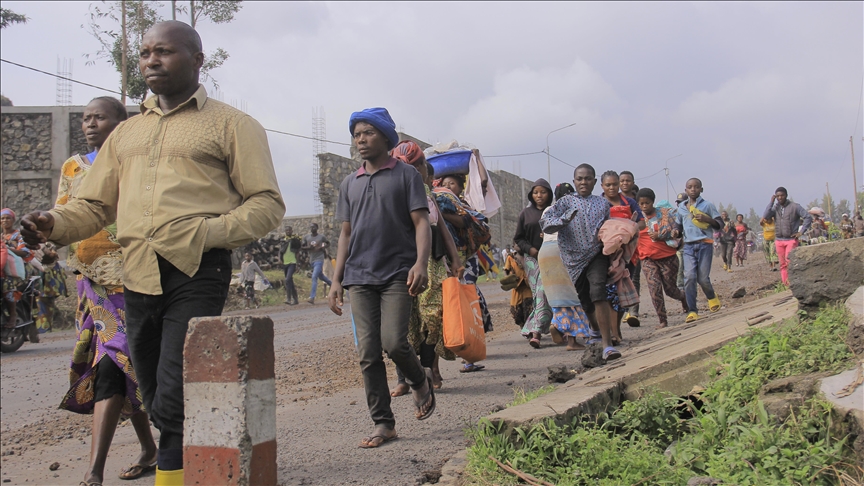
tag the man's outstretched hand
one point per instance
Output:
(36, 228)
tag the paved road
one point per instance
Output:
(321, 412)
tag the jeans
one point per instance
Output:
(783, 248)
(290, 289)
(156, 329)
(381, 315)
(697, 269)
(318, 272)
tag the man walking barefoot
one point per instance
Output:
(383, 270)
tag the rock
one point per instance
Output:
(849, 408)
(855, 336)
(741, 292)
(779, 396)
(827, 272)
(593, 356)
(54, 466)
(560, 374)
(704, 481)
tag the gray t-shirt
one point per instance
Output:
(316, 254)
(378, 206)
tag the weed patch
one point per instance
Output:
(724, 433)
(520, 396)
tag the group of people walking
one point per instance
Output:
(149, 217)
(580, 255)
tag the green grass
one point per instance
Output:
(520, 396)
(729, 436)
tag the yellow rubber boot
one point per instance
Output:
(169, 478)
(714, 304)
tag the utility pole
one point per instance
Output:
(173, 9)
(830, 202)
(123, 55)
(854, 176)
(192, 13)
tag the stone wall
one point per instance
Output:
(300, 224)
(36, 140)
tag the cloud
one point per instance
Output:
(531, 102)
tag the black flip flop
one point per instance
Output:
(425, 399)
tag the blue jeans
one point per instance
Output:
(697, 268)
(317, 272)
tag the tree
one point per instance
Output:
(135, 17)
(752, 219)
(730, 209)
(218, 11)
(842, 208)
(8, 17)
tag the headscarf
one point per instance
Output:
(378, 118)
(409, 152)
(7, 212)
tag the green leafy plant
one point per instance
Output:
(520, 396)
(728, 434)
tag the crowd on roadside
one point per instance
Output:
(150, 215)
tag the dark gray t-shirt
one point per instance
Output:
(382, 244)
(316, 254)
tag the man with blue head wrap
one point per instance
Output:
(382, 260)
(378, 118)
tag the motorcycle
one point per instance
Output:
(12, 337)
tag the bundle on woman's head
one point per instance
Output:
(7, 212)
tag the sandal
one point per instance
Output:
(535, 343)
(593, 337)
(419, 415)
(611, 353)
(135, 471)
(377, 439)
(471, 367)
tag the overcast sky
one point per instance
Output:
(754, 95)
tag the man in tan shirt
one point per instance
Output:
(186, 181)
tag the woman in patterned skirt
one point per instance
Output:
(102, 381)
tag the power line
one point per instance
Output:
(121, 94)
(515, 155)
(307, 138)
(559, 160)
(62, 77)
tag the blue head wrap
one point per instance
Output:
(378, 118)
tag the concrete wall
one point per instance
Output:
(36, 140)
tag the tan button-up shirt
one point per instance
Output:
(177, 184)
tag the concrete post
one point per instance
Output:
(230, 402)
